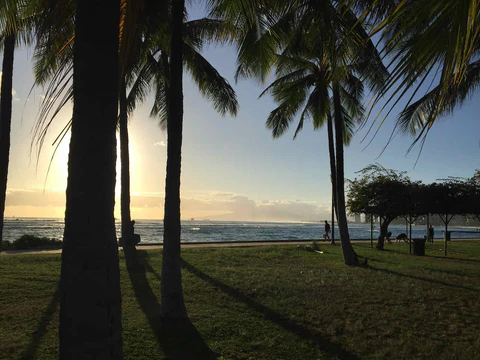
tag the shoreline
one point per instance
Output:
(251, 243)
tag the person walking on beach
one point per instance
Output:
(326, 234)
(431, 233)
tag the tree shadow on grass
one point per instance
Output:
(325, 345)
(179, 339)
(433, 281)
(31, 351)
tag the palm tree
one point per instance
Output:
(128, 244)
(53, 65)
(134, 26)
(172, 303)
(90, 303)
(430, 39)
(322, 56)
(159, 67)
(331, 90)
(5, 119)
(185, 42)
(15, 27)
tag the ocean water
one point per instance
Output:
(151, 231)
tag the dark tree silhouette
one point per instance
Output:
(5, 120)
(172, 303)
(90, 302)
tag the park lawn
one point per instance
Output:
(272, 302)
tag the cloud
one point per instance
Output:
(14, 95)
(147, 200)
(160, 143)
(212, 205)
(225, 206)
(35, 198)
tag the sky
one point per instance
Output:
(232, 168)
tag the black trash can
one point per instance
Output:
(419, 247)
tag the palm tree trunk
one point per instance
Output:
(128, 244)
(90, 302)
(125, 162)
(172, 302)
(166, 74)
(331, 152)
(5, 121)
(349, 256)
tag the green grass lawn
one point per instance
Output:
(273, 302)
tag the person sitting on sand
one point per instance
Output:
(133, 239)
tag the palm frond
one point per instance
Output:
(318, 106)
(142, 83)
(210, 83)
(161, 84)
(293, 79)
(198, 33)
(417, 116)
(429, 33)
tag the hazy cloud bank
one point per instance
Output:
(200, 205)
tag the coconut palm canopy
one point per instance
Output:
(432, 45)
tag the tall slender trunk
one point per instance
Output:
(125, 162)
(172, 302)
(5, 121)
(127, 227)
(349, 255)
(90, 302)
(331, 152)
(166, 75)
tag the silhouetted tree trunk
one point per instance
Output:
(349, 255)
(172, 302)
(5, 121)
(128, 244)
(331, 152)
(385, 222)
(90, 302)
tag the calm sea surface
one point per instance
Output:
(151, 231)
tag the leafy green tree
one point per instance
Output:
(453, 196)
(385, 193)
(90, 302)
